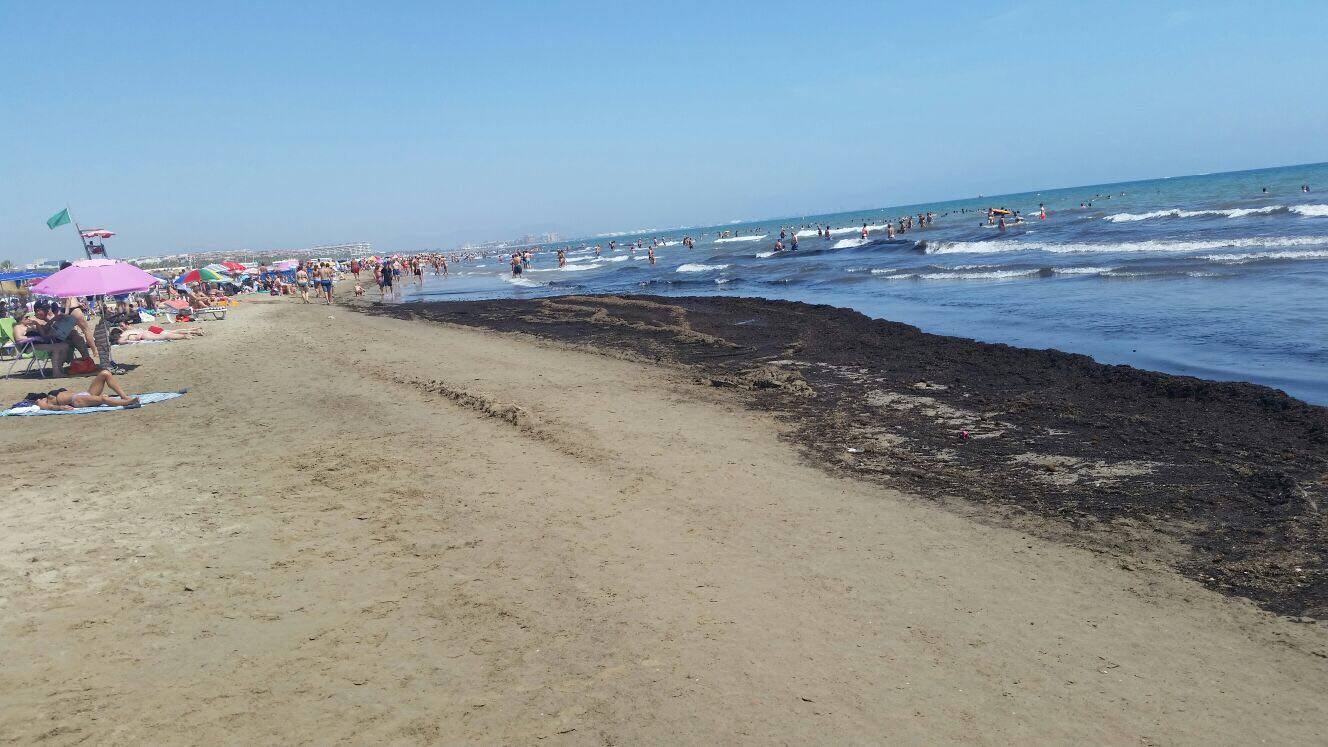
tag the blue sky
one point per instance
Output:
(414, 124)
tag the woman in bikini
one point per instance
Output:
(122, 335)
(63, 399)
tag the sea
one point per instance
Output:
(1222, 276)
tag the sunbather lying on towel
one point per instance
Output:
(63, 399)
(120, 335)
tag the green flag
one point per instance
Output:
(59, 219)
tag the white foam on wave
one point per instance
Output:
(1311, 211)
(848, 243)
(619, 258)
(671, 243)
(763, 255)
(1178, 213)
(1240, 259)
(1080, 270)
(1152, 245)
(566, 268)
(690, 267)
(989, 275)
(739, 238)
(523, 282)
(806, 232)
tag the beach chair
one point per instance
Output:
(15, 351)
(216, 313)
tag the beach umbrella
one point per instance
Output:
(95, 277)
(98, 233)
(233, 266)
(201, 275)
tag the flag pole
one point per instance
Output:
(86, 254)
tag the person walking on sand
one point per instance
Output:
(385, 282)
(302, 283)
(325, 276)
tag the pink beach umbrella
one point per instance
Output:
(97, 233)
(95, 277)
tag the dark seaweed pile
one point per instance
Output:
(1235, 473)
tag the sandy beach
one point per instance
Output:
(356, 528)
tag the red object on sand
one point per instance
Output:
(155, 330)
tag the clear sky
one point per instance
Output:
(417, 124)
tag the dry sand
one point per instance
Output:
(364, 530)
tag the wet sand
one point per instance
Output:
(365, 529)
(1230, 477)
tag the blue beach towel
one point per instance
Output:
(146, 399)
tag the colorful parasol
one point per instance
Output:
(97, 233)
(95, 277)
(202, 275)
(233, 266)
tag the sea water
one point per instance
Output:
(1207, 275)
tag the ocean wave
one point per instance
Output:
(1240, 259)
(1312, 211)
(739, 238)
(811, 232)
(619, 258)
(1081, 270)
(689, 267)
(522, 282)
(763, 255)
(1151, 245)
(566, 268)
(988, 275)
(848, 243)
(1178, 213)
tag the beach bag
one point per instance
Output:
(82, 366)
(154, 329)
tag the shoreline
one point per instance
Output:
(359, 529)
(1221, 480)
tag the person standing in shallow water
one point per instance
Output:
(650, 254)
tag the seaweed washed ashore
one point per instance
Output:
(1235, 475)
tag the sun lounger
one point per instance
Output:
(173, 309)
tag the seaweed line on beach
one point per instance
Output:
(1234, 474)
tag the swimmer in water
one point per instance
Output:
(864, 231)
(650, 255)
